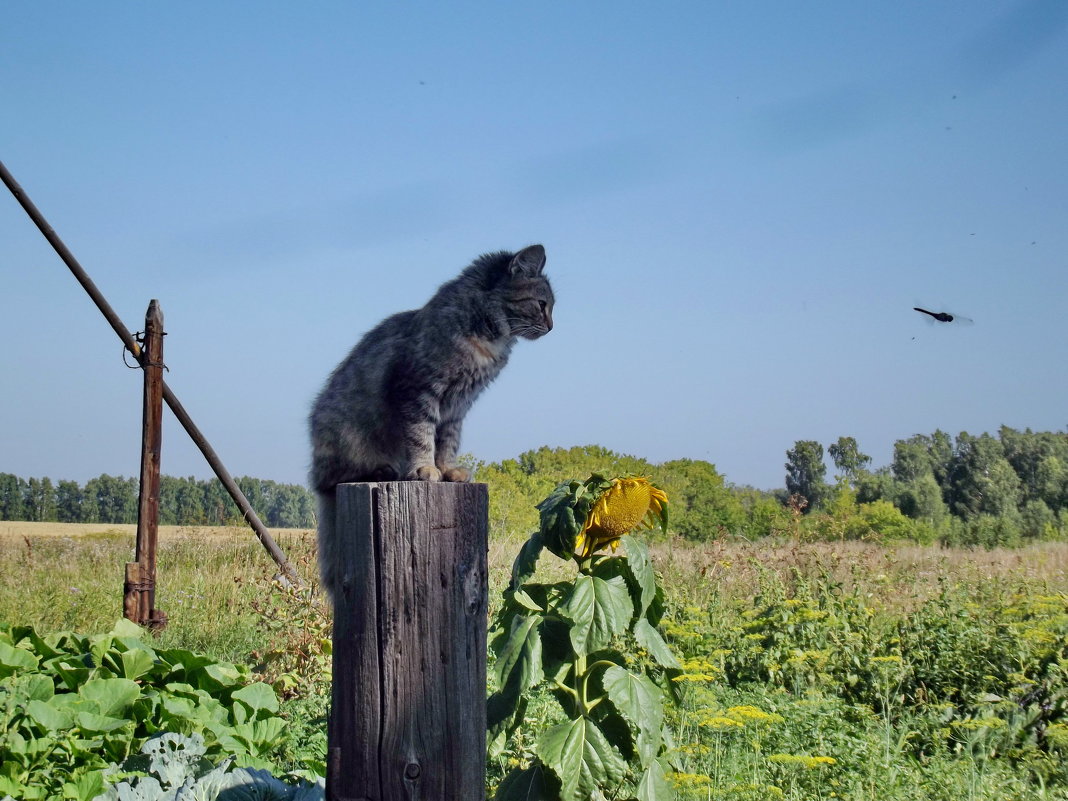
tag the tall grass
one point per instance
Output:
(754, 723)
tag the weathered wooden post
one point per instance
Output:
(408, 719)
(139, 589)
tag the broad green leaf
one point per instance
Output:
(649, 638)
(178, 707)
(527, 784)
(85, 786)
(112, 696)
(136, 663)
(598, 609)
(641, 570)
(654, 785)
(185, 665)
(640, 702)
(127, 628)
(523, 598)
(49, 717)
(34, 686)
(581, 757)
(257, 696)
(519, 661)
(13, 659)
(71, 672)
(219, 675)
(557, 653)
(526, 562)
(559, 518)
(44, 647)
(93, 723)
(504, 711)
(101, 647)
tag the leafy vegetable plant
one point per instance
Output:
(71, 706)
(174, 766)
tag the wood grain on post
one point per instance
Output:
(139, 592)
(408, 719)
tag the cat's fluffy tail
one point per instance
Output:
(328, 556)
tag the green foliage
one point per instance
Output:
(297, 661)
(175, 766)
(182, 501)
(847, 457)
(805, 471)
(970, 686)
(702, 505)
(71, 705)
(590, 642)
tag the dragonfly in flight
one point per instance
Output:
(944, 317)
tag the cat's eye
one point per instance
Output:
(543, 304)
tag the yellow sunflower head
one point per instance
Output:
(627, 504)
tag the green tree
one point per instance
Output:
(805, 472)
(1051, 482)
(981, 480)
(12, 497)
(219, 507)
(847, 458)
(1032, 455)
(111, 499)
(189, 502)
(291, 507)
(40, 500)
(702, 505)
(921, 499)
(1037, 521)
(168, 500)
(68, 502)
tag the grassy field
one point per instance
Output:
(816, 670)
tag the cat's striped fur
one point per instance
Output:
(393, 409)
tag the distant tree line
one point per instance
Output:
(984, 490)
(965, 490)
(977, 490)
(182, 501)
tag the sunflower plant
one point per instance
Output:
(590, 642)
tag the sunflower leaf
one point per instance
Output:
(654, 785)
(581, 757)
(598, 609)
(527, 784)
(641, 572)
(641, 703)
(519, 658)
(559, 525)
(527, 561)
(649, 638)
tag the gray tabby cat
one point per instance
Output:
(392, 410)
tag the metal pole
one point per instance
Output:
(179, 411)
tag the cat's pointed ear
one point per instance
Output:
(528, 261)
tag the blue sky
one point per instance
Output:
(741, 203)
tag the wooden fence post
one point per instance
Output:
(139, 588)
(408, 719)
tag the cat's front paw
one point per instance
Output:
(427, 473)
(456, 474)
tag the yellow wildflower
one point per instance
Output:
(802, 761)
(751, 713)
